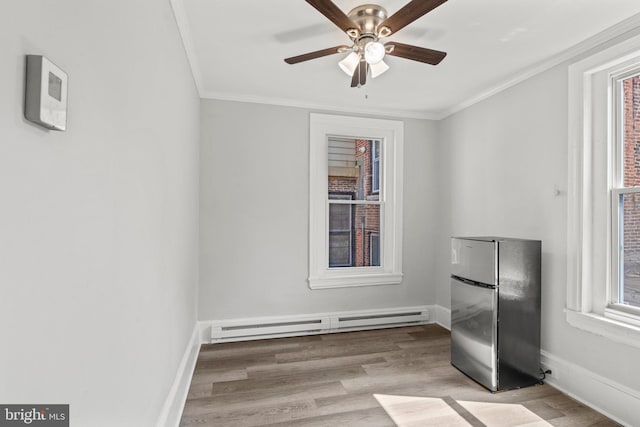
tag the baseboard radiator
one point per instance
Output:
(322, 323)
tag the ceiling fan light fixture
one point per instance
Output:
(374, 52)
(350, 63)
(378, 68)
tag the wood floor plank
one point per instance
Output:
(375, 417)
(262, 343)
(348, 402)
(212, 353)
(281, 381)
(330, 380)
(260, 399)
(250, 416)
(404, 366)
(337, 349)
(374, 333)
(235, 362)
(216, 375)
(311, 366)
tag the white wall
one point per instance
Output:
(98, 225)
(502, 159)
(254, 217)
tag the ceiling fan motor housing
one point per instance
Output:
(368, 17)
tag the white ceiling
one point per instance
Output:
(237, 50)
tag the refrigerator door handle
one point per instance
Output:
(472, 282)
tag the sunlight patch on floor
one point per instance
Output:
(410, 411)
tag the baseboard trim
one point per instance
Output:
(174, 404)
(442, 316)
(610, 398)
(245, 329)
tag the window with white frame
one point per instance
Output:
(603, 294)
(355, 215)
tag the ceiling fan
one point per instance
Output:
(366, 25)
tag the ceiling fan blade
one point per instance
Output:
(360, 74)
(415, 53)
(316, 54)
(409, 13)
(334, 14)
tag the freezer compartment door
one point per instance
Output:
(474, 332)
(474, 259)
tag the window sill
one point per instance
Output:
(358, 280)
(609, 328)
(624, 314)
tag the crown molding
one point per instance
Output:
(286, 102)
(184, 28)
(628, 27)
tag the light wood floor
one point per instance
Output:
(329, 380)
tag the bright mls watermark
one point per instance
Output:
(34, 415)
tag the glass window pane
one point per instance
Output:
(354, 167)
(630, 286)
(631, 131)
(340, 249)
(339, 217)
(366, 224)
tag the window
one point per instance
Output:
(603, 238)
(355, 204)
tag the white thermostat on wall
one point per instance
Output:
(45, 93)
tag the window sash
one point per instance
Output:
(353, 236)
(616, 308)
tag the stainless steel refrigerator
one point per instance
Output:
(495, 310)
